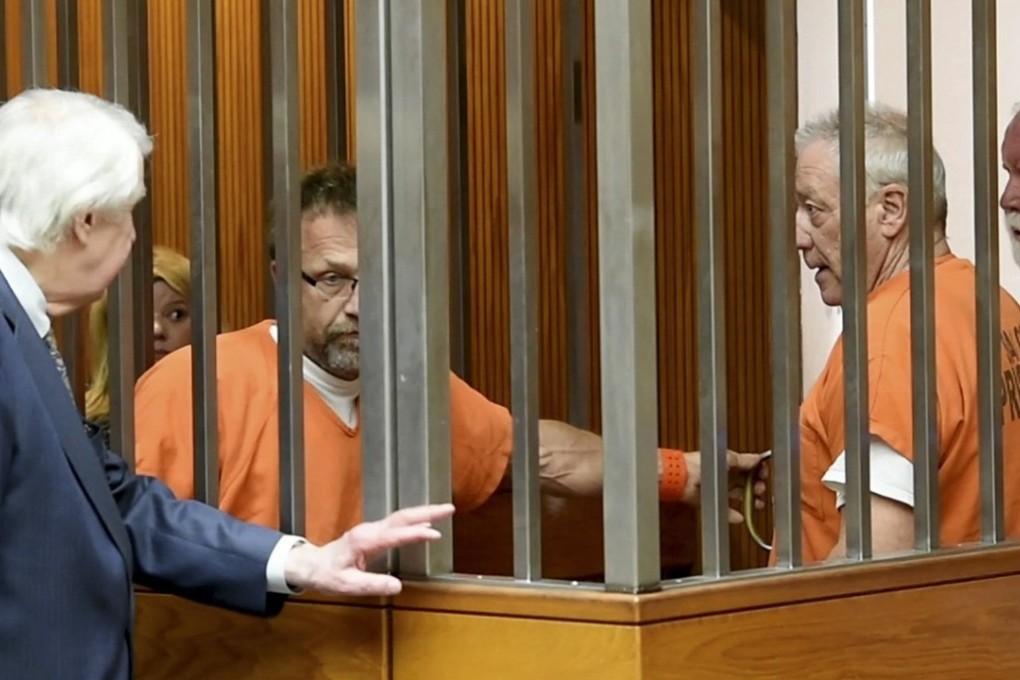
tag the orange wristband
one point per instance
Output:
(674, 475)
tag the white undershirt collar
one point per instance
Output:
(340, 395)
(30, 296)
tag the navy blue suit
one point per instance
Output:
(77, 527)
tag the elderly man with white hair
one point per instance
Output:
(887, 281)
(76, 526)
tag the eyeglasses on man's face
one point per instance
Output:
(332, 285)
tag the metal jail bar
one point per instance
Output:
(857, 513)
(283, 164)
(375, 201)
(715, 535)
(375, 220)
(72, 338)
(521, 158)
(921, 211)
(125, 81)
(420, 191)
(986, 246)
(781, 55)
(623, 67)
(204, 246)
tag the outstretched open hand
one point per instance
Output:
(339, 566)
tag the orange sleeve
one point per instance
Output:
(481, 436)
(163, 428)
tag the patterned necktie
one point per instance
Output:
(51, 342)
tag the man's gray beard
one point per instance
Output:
(342, 359)
(339, 355)
(1013, 222)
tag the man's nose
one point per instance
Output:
(803, 240)
(1010, 201)
(353, 302)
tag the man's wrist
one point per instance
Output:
(277, 577)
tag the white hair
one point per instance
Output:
(62, 153)
(885, 151)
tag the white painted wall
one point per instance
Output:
(818, 91)
(952, 117)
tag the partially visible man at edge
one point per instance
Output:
(570, 458)
(889, 387)
(1010, 200)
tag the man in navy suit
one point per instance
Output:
(76, 526)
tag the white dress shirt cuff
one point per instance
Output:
(892, 475)
(276, 577)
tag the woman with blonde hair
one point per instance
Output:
(171, 330)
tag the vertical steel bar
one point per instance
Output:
(576, 262)
(336, 81)
(376, 266)
(72, 326)
(921, 213)
(857, 513)
(122, 311)
(68, 59)
(137, 30)
(204, 244)
(33, 44)
(421, 237)
(623, 67)
(285, 115)
(986, 247)
(781, 57)
(523, 242)
(715, 533)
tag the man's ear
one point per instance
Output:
(81, 227)
(272, 269)
(892, 210)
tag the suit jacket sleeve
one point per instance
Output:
(189, 548)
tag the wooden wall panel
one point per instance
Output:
(14, 44)
(749, 372)
(312, 83)
(554, 400)
(90, 46)
(168, 123)
(350, 42)
(488, 285)
(176, 639)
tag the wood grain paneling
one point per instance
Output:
(312, 81)
(964, 630)
(179, 639)
(90, 46)
(536, 650)
(945, 616)
(168, 123)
